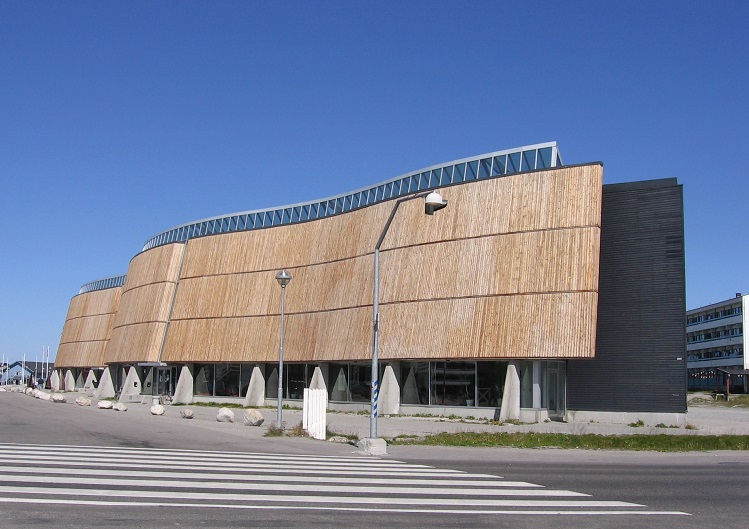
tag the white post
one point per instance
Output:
(314, 411)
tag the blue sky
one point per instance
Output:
(119, 120)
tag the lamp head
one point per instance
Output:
(283, 278)
(433, 202)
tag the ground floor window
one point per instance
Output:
(349, 382)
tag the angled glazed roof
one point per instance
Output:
(102, 284)
(490, 165)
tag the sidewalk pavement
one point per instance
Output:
(702, 419)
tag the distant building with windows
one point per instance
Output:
(715, 346)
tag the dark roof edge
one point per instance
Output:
(643, 184)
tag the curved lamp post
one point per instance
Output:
(283, 278)
(433, 201)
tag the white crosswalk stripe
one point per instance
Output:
(132, 477)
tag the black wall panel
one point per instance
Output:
(640, 363)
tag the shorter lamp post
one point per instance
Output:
(283, 278)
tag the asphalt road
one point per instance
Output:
(711, 488)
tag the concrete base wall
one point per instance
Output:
(611, 417)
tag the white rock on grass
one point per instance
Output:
(157, 409)
(119, 406)
(253, 418)
(105, 404)
(83, 401)
(225, 415)
(187, 414)
(57, 397)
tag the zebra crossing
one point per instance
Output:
(139, 477)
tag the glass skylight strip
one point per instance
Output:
(103, 284)
(491, 165)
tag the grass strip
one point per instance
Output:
(657, 443)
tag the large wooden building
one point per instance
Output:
(537, 289)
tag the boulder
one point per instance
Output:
(157, 409)
(45, 396)
(105, 404)
(83, 401)
(187, 414)
(225, 415)
(253, 418)
(119, 406)
(57, 397)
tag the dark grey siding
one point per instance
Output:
(640, 363)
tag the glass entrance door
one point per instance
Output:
(166, 380)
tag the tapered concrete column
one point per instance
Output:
(390, 393)
(183, 393)
(69, 380)
(54, 380)
(106, 386)
(510, 409)
(79, 382)
(90, 385)
(132, 385)
(318, 380)
(256, 389)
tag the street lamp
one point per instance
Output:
(283, 278)
(433, 201)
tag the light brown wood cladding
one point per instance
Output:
(87, 328)
(508, 270)
(138, 328)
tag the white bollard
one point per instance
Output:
(314, 412)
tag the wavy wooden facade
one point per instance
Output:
(138, 328)
(87, 328)
(508, 270)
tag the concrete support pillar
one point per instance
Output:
(256, 389)
(318, 380)
(69, 380)
(148, 381)
(132, 386)
(79, 382)
(324, 369)
(537, 384)
(106, 386)
(90, 384)
(183, 393)
(389, 401)
(510, 409)
(54, 380)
